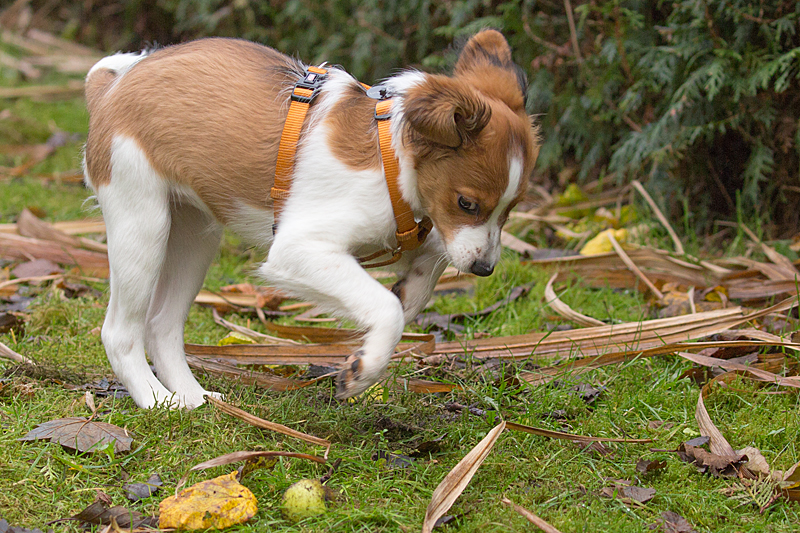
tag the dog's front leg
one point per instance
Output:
(331, 277)
(419, 272)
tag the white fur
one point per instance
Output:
(482, 243)
(162, 239)
(159, 250)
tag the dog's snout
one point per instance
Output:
(481, 268)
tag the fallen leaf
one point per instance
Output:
(458, 478)
(216, 503)
(81, 434)
(672, 523)
(36, 268)
(139, 491)
(711, 463)
(100, 513)
(644, 466)
(756, 462)
(629, 494)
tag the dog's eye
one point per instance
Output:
(468, 206)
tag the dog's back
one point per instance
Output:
(204, 112)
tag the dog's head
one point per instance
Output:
(474, 148)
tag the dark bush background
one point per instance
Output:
(698, 99)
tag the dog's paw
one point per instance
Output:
(351, 381)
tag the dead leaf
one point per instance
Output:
(555, 303)
(629, 494)
(216, 503)
(711, 463)
(672, 523)
(100, 513)
(36, 268)
(81, 434)
(756, 462)
(644, 466)
(139, 491)
(458, 478)
(582, 439)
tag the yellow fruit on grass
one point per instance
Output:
(303, 499)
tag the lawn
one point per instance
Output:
(390, 464)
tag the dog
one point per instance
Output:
(184, 140)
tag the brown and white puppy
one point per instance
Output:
(184, 140)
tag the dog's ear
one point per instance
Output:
(485, 47)
(445, 111)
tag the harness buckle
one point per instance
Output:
(308, 88)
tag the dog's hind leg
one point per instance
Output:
(193, 241)
(135, 206)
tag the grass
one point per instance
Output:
(556, 480)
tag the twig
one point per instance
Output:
(632, 266)
(661, 218)
(532, 518)
(8, 353)
(573, 33)
(272, 426)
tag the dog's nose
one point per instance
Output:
(481, 268)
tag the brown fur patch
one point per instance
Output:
(206, 113)
(445, 111)
(353, 137)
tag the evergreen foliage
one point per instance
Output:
(698, 98)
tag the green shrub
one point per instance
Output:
(697, 98)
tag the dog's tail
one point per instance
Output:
(107, 71)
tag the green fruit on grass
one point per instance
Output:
(303, 499)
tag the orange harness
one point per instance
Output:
(410, 234)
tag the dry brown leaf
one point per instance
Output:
(672, 523)
(555, 303)
(569, 436)
(99, 513)
(532, 518)
(749, 371)
(710, 462)
(718, 444)
(18, 247)
(28, 225)
(458, 478)
(81, 434)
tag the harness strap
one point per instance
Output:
(303, 93)
(410, 234)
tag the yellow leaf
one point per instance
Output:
(219, 503)
(235, 338)
(600, 243)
